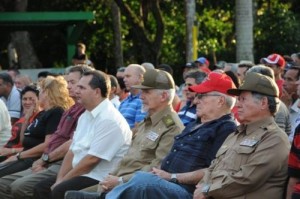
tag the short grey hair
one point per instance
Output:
(262, 69)
(170, 92)
(198, 75)
(230, 100)
(273, 102)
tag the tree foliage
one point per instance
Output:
(147, 37)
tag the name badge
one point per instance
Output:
(248, 142)
(152, 136)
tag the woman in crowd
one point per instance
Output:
(30, 107)
(54, 99)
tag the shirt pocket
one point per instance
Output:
(242, 154)
(148, 144)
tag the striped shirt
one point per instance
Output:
(131, 109)
(188, 113)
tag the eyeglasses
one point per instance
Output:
(201, 95)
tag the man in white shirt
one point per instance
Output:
(101, 139)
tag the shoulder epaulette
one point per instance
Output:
(168, 120)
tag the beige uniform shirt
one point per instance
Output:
(152, 142)
(251, 163)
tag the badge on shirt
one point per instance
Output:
(152, 136)
(248, 142)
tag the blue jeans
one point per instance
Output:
(145, 185)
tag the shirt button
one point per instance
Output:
(168, 162)
(174, 150)
(181, 144)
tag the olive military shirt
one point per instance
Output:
(152, 142)
(251, 163)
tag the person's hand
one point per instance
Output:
(10, 159)
(198, 192)
(5, 151)
(30, 112)
(161, 173)
(109, 183)
(38, 166)
(58, 181)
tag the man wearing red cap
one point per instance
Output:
(192, 150)
(277, 63)
(252, 162)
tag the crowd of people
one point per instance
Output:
(229, 131)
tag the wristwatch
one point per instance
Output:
(45, 158)
(174, 178)
(205, 190)
(19, 156)
(120, 180)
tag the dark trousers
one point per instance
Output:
(42, 190)
(15, 166)
(83, 195)
(296, 196)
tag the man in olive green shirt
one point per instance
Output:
(154, 136)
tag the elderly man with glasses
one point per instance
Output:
(193, 149)
(252, 162)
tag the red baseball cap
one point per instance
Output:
(275, 59)
(215, 81)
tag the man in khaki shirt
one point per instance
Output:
(154, 136)
(252, 162)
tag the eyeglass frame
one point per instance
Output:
(199, 96)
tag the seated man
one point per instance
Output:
(20, 185)
(252, 162)
(193, 149)
(155, 134)
(187, 113)
(99, 142)
(131, 107)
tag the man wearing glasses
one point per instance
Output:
(192, 150)
(252, 162)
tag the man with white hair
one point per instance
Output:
(192, 150)
(154, 136)
(252, 162)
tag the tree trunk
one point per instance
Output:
(149, 48)
(190, 9)
(116, 19)
(21, 44)
(244, 30)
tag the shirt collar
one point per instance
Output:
(294, 107)
(250, 128)
(131, 96)
(100, 108)
(156, 117)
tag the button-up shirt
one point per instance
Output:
(251, 163)
(197, 146)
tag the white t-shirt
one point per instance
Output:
(103, 133)
(5, 125)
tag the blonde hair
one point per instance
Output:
(57, 92)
